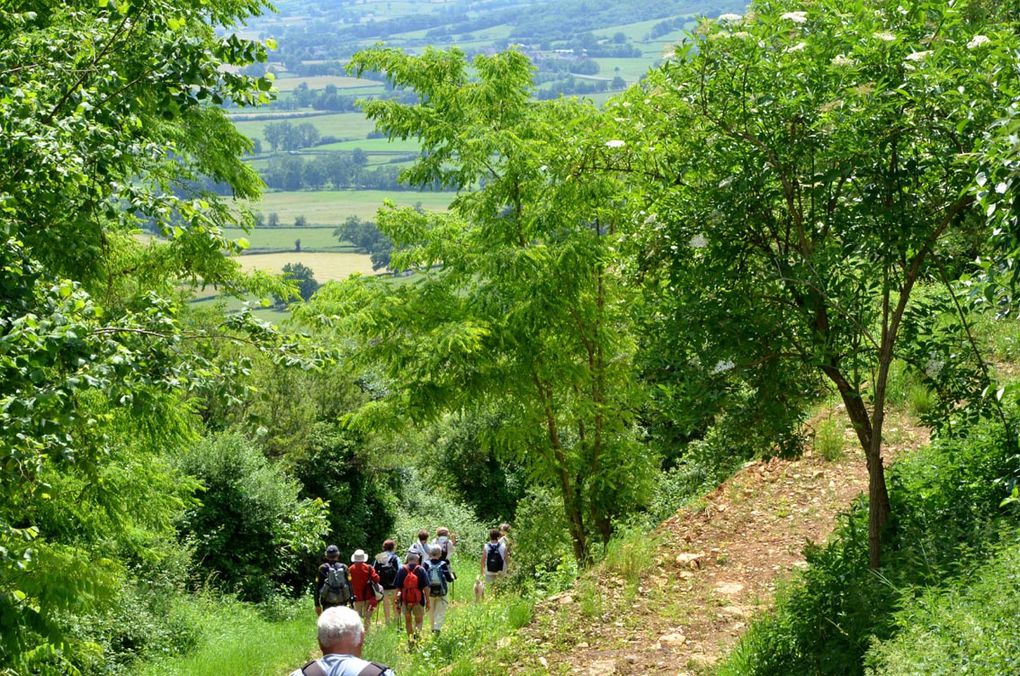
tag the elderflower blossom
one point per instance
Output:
(698, 242)
(795, 17)
(977, 41)
(885, 36)
(843, 60)
(799, 47)
(615, 143)
(723, 366)
(730, 18)
(917, 56)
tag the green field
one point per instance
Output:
(287, 84)
(312, 238)
(340, 125)
(630, 70)
(374, 144)
(332, 207)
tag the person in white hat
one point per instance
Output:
(364, 580)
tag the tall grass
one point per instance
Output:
(238, 638)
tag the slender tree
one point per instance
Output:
(808, 164)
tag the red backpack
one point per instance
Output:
(410, 594)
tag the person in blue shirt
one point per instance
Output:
(341, 638)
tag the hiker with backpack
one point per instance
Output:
(333, 583)
(421, 547)
(387, 565)
(495, 557)
(445, 543)
(364, 581)
(412, 585)
(439, 576)
(341, 639)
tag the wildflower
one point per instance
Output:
(917, 56)
(977, 41)
(843, 60)
(795, 17)
(698, 242)
(885, 36)
(796, 48)
(615, 143)
(730, 18)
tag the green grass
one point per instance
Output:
(288, 84)
(237, 639)
(631, 69)
(319, 238)
(635, 32)
(332, 207)
(374, 144)
(340, 125)
(829, 442)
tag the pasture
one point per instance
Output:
(327, 266)
(290, 83)
(339, 125)
(332, 207)
(374, 144)
(312, 238)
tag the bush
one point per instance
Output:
(703, 466)
(970, 627)
(945, 519)
(337, 469)
(251, 529)
(427, 506)
(542, 556)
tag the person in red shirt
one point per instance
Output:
(363, 579)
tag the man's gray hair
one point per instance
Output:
(340, 623)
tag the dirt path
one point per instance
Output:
(717, 564)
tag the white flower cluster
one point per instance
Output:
(978, 41)
(795, 17)
(723, 366)
(885, 36)
(615, 143)
(730, 18)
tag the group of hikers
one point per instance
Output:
(346, 596)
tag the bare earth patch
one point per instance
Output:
(717, 565)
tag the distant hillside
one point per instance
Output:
(321, 30)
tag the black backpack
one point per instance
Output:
(336, 588)
(493, 559)
(388, 571)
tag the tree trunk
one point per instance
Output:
(878, 508)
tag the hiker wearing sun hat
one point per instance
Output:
(364, 581)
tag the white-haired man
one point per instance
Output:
(341, 638)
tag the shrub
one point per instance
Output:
(251, 529)
(972, 626)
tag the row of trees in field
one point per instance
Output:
(615, 294)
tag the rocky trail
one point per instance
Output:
(716, 564)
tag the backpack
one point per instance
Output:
(388, 571)
(336, 589)
(493, 558)
(409, 592)
(437, 580)
(444, 545)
